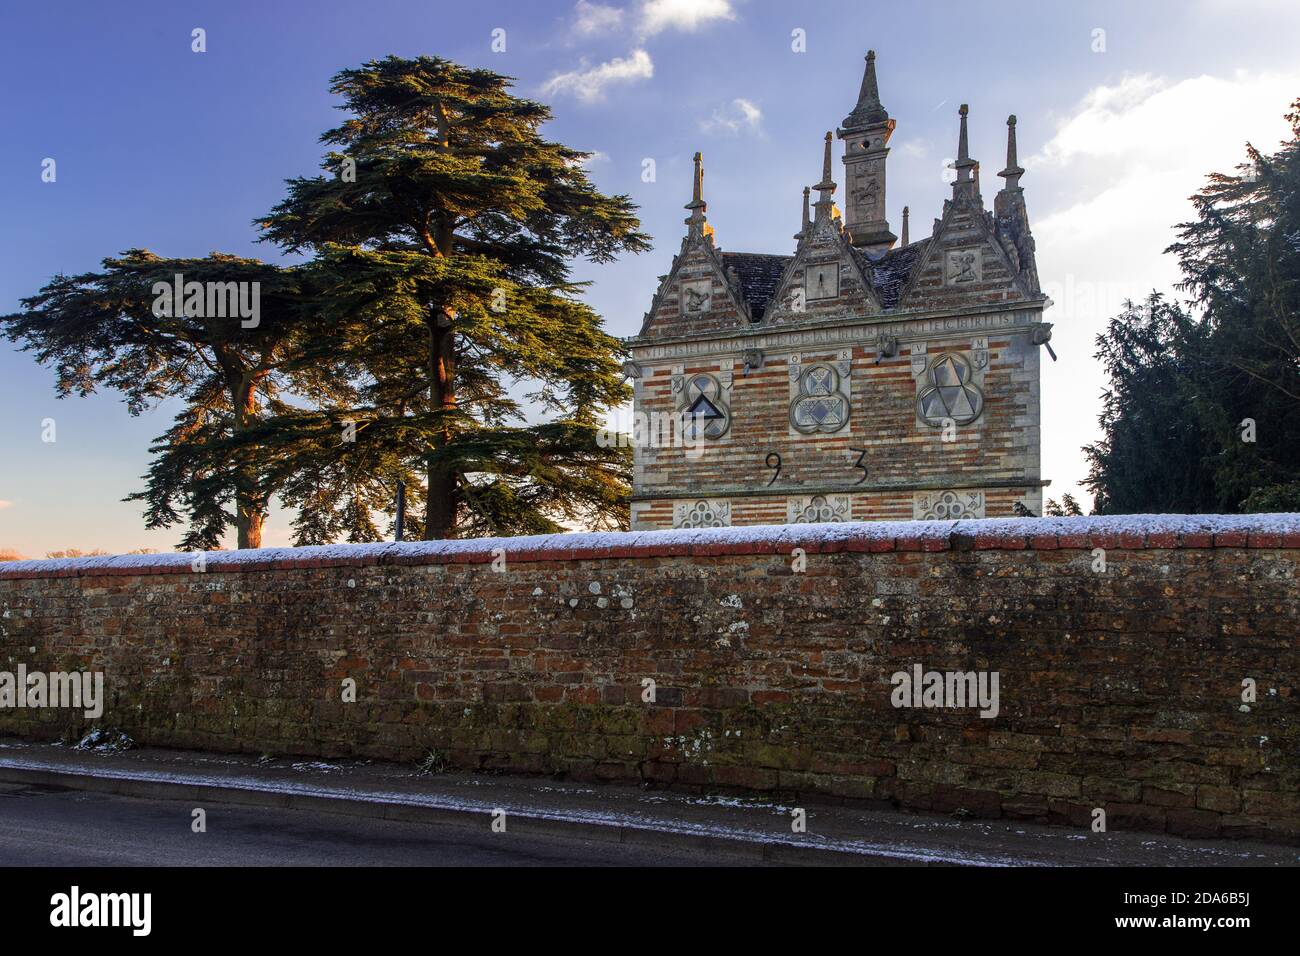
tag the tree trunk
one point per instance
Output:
(442, 499)
(250, 504)
(248, 525)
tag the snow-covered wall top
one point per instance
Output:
(1123, 532)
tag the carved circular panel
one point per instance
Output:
(819, 406)
(704, 414)
(950, 392)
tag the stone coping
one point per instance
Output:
(1125, 532)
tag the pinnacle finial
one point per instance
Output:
(965, 187)
(697, 183)
(868, 111)
(905, 214)
(1013, 172)
(964, 163)
(697, 205)
(803, 229)
(826, 187)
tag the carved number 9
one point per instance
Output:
(774, 462)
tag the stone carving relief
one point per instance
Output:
(948, 391)
(817, 509)
(697, 296)
(920, 358)
(704, 513)
(819, 396)
(864, 187)
(886, 346)
(703, 401)
(963, 266)
(947, 505)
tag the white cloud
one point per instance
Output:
(1123, 163)
(589, 85)
(740, 115)
(1129, 157)
(592, 18)
(688, 15)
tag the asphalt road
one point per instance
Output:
(43, 826)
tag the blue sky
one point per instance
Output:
(163, 148)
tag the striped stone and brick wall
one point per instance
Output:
(884, 463)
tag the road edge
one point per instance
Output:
(533, 823)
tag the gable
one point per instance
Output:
(825, 278)
(697, 295)
(964, 262)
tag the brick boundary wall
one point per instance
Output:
(771, 650)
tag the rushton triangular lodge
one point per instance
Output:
(862, 377)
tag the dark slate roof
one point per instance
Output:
(889, 273)
(759, 275)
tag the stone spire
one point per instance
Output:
(824, 207)
(904, 239)
(698, 225)
(1013, 172)
(964, 187)
(803, 229)
(866, 133)
(1010, 213)
(963, 146)
(869, 111)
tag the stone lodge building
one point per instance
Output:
(859, 378)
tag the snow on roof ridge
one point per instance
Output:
(593, 544)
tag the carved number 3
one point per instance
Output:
(859, 464)
(774, 462)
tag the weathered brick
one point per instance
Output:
(1218, 799)
(1112, 686)
(1193, 823)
